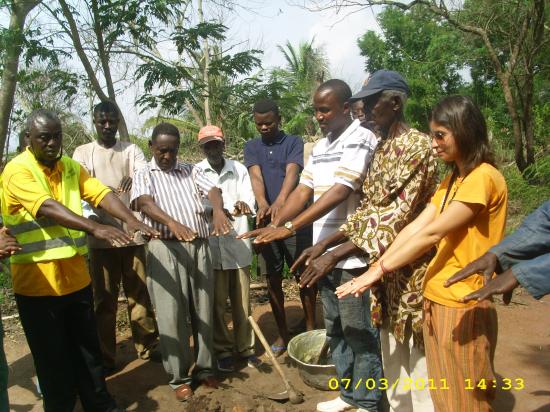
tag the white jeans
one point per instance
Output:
(405, 369)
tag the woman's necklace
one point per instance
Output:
(455, 182)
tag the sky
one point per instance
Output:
(264, 24)
(276, 22)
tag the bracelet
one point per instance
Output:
(385, 270)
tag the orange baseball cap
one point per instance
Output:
(209, 133)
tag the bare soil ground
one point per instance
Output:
(523, 352)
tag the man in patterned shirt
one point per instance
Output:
(399, 182)
(179, 270)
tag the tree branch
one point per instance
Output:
(73, 33)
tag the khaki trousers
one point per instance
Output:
(108, 267)
(234, 283)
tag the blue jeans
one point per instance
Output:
(527, 252)
(354, 342)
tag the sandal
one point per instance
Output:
(278, 350)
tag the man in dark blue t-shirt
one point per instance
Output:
(274, 161)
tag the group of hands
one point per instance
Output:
(487, 265)
(221, 222)
(317, 263)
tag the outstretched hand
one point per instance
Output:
(221, 222)
(504, 283)
(111, 234)
(145, 230)
(262, 213)
(486, 264)
(241, 208)
(182, 232)
(307, 256)
(266, 234)
(125, 184)
(360, 284)
(317, 269)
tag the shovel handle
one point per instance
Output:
(269, 352)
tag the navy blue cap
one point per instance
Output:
(382, 80)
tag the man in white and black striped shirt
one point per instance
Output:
(168, 194)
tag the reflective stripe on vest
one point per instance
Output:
(42, 239)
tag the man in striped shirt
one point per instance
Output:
(334, 175)
(168, 194)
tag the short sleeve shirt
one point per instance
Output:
(273, 157)
(345, 161)
(110, 165)
(57, 277)
(483, 186)
(178, 192)
(227, 252)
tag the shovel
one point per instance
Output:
(290, 393)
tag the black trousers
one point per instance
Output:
(62, 335)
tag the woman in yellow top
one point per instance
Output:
(465, 217)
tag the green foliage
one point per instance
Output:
(182, 81)
(428, 53)
(138, 20)
(189, 38)
(294, 85)
(525, 196)
(188, 149)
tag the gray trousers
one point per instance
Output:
(181, 286)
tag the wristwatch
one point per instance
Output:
(290, 227)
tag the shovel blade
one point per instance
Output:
(281, 396)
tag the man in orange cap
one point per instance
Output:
(231, 257)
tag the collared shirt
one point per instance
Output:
(110, 165)
(527, 252)
(399, 184)
(343, 161)
(234, 182)
(273, 156)
(57, 277)
(178, 192)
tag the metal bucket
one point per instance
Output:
(303, 349)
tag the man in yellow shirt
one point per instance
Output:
(41, 193)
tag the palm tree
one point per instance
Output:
(307, 67)
(307, 64)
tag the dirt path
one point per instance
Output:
(523, 352)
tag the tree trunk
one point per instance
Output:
(104, 60)
(516, 122)
(206, 79)
(75, 38)
(529, 90)
(18, 15)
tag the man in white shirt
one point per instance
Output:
(114, 162)
(231, 257)
(334, 175)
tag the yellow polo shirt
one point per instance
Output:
(484, 186)
(55, 277)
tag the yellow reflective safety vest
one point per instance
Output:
(42, 239)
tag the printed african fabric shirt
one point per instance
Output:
(399, 184)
